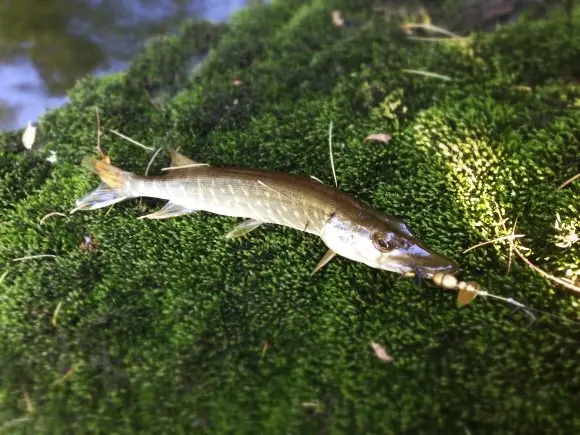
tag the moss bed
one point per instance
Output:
(161, 326)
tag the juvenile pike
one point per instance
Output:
(348, 227)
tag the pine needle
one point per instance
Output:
(56, 313)
(30, 257)
(98, 120)
(568, 181)
(330, 151)
(511, 254)
(192, 165)
(432, 28)
(513, 236)
(151, 161)
(428, 74)
(46, 216)
(133, 141)
(67, 375)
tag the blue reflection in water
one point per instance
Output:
(86, 36)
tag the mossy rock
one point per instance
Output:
(165, 327)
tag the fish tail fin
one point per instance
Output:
(111, 190)
(112, 176)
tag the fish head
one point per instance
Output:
(383, 242)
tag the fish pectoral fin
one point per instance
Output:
(178, 159)
(168, 211)
(244, 228)
(330, 254)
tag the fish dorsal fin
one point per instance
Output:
(178, 159)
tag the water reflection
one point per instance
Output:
(45, 46)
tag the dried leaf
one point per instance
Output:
(52, 158)
(381, 137)
(337, 19)
(381, 353)
(29, 135)
(88, 244)
(237, 83)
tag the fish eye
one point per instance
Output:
(382, 242)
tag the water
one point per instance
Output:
(46, 46)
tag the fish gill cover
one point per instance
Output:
(126, 325)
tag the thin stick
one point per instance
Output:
(133, 141)
(192, 165)
(271, 188)
(533, 266)
(317, 179)
(330, 151)
(514, 236)
(546, 274)
(570, 180)
(432, 28)
(427, 74)
(30, 257)
(54, 213)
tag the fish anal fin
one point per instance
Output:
(330, 254)
(178, 159)
(168, 211)
(244, 228)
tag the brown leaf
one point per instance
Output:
(381, 137)
(381, 353)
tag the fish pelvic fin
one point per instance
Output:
(330, 254)
(112, 176)
(243, 228)
(102, 196)
(168, 211)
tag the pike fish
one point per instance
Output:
(349, 228)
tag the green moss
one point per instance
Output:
(162, 326)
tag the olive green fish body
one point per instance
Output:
(264, 196)
(348, 227)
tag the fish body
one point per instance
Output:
(348, 227)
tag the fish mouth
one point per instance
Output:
(424, 266)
